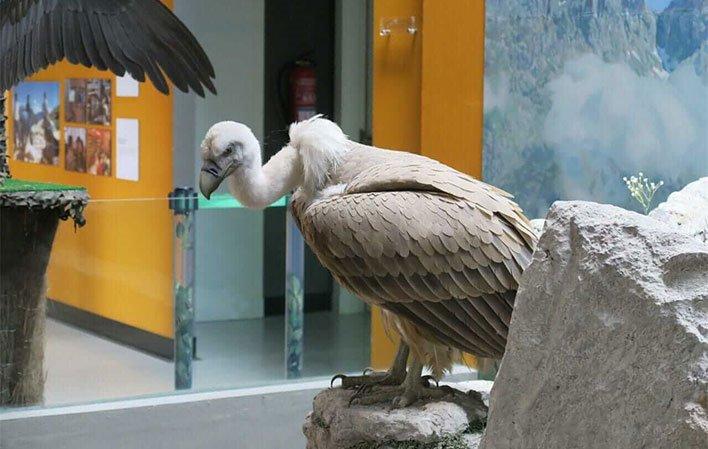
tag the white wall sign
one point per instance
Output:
(127, 86)
(127, 149)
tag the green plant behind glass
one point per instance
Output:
(642, 189)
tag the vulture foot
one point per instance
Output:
(402, 395)
(414, 387)
(394, 376)
(369, 379)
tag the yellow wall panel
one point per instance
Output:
(120, 264)
(396, 79)
(453, 83)
(395, 113)
(427, 94)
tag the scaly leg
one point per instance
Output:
(414, 387)
(394, 376)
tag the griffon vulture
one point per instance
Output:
(439, 252)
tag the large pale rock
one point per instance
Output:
(334, 424)
(537, 225)
(687, 209)
(608, 344)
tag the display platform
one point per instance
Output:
(29, 217)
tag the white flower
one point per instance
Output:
(642, 189)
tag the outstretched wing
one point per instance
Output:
(446, 263)
(141, 37)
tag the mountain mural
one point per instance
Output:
(681, 30)
(579, 93)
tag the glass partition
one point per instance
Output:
(154, 296)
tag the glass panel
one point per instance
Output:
(145, 284)
(111, 312)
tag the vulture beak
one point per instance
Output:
(213, 174)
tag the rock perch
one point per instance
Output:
(453, 423)
(608, 344)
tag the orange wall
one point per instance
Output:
(453, 83)
(396, 79)
(120, 264)
(395, 113)
(427, 95)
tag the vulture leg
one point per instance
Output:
(413, 388)
(394, 376)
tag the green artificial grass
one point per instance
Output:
(70, 201)
(16, 185)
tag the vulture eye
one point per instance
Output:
(232, 148)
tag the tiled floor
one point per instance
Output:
(82, 367)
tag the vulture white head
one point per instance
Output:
(231, 152)
(226, 148)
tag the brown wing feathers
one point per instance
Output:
(445, 263)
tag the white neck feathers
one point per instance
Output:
(321, 145)
(257, 187)
(316, 148)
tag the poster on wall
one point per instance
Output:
(36, 124)
(98, 154)
(75, 144)
(98, 101)
(127, 86)
(127, 149)
(75, 101)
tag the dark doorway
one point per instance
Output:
(294, 30)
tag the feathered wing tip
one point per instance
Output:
(321, 144)
(140, 37)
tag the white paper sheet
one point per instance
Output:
(127, 86)
(127, 149)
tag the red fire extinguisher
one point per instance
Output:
(302, 90)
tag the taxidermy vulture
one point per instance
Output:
(440, 252)
(140, 37)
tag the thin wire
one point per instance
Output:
(117, 200)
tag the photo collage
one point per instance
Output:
(87, 124)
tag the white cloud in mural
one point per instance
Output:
(606, 120)
(496, 93)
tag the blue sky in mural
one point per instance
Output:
(36, 91)
(658, 5)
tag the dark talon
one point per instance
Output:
(360, 390)
(338, 376)
(366, 370)
(427, 379)
(448, 389)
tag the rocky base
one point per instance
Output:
(608, 342)
(453, 423)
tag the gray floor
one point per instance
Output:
(82, 367)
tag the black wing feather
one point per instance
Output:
(142, 37)
(104, 50)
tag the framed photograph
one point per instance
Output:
(98, 160)
(75, 102)
(98, 101)
(36, 122)
(76, 149)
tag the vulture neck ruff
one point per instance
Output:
(321, 145)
